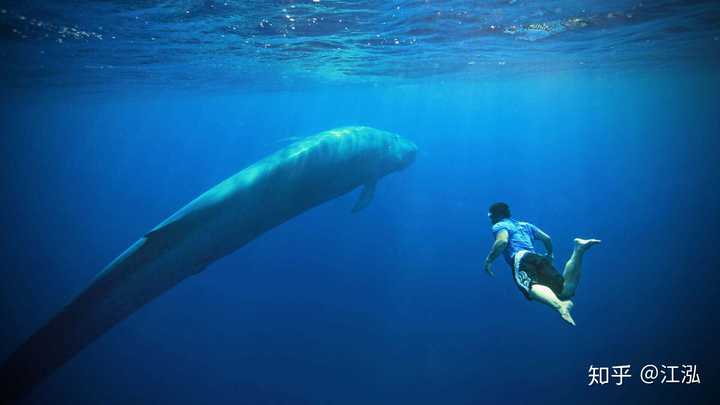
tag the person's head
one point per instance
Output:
(498, 211)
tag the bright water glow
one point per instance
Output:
(290, 44)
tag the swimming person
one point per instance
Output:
(534, 274)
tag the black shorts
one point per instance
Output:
(536, 269)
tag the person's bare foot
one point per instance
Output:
(564, 310)
(584, 244)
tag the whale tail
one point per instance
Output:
(46, 350)
(122, 288)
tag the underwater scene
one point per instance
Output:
(359, 202)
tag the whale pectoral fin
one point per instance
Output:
(365, 197)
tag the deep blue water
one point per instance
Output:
(585, 129)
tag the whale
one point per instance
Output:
(229, 215)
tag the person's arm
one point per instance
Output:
(545, 238)
(501, 241)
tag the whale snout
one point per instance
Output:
(407, 152)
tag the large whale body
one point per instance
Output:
(226, 217)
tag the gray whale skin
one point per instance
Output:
(218, 222)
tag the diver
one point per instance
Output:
(534, 274)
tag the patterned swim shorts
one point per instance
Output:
(531, 268)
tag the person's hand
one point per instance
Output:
(550, 256)
(488, 268)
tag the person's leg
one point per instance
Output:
(546, 296)
(573, 267)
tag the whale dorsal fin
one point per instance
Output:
(365, 196)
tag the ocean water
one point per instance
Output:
(591, 119)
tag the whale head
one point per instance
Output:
(394, 153)
(404, 152)
(373, 153)
(376, 154)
